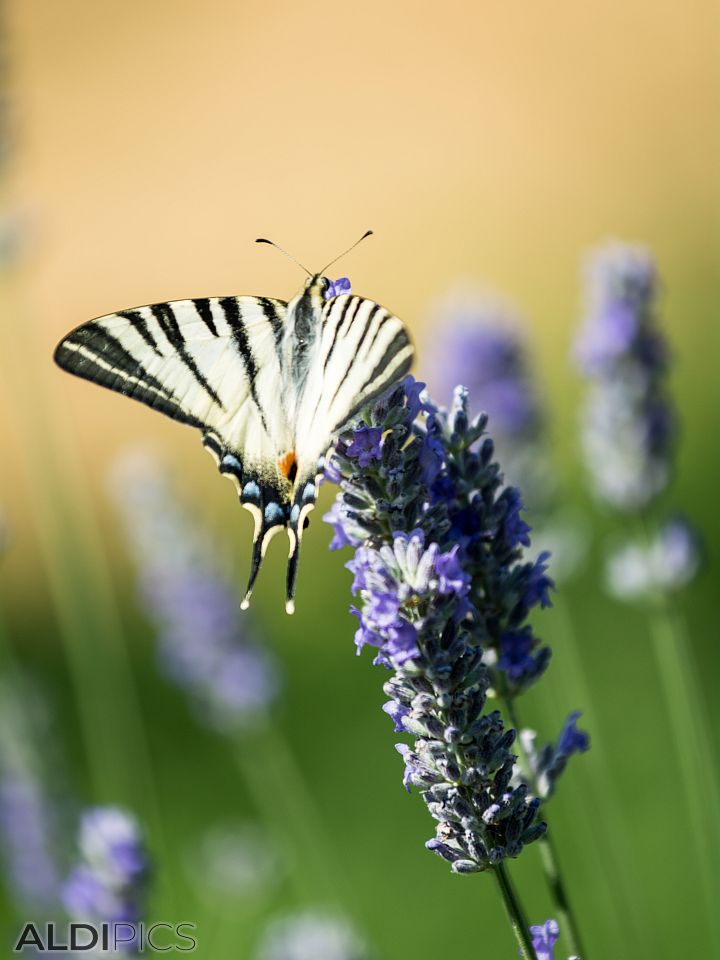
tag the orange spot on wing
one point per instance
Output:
(287, 465)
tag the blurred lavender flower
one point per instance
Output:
(439, 539)
(312, 935)
(29, 823)
(483, 346)
(204, 645)
(233, 861)
(547, 764)
(108, 884)
(642, 570)
(628, 421)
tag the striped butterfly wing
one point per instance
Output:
(361, 351)
(215, 364)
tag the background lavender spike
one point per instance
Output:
(205, 644)
(108, 883)
(629, 434)
(30, 826)
(628, 422)
(485, 348)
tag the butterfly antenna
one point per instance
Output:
(368, 233)
(289, 256)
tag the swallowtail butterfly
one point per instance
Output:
(269, 384)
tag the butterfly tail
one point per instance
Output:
(260, 494)
(303, 503)
(292, 568)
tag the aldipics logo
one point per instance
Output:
(111, 937)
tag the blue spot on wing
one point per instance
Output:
(251, 490)
(274, 513)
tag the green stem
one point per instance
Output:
(281, 796)
(694, 747)
(515, 912)
(550, 861)
(602, 803)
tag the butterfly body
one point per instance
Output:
(270, 384)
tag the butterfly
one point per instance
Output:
(269, 384)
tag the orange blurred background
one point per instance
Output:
(151, 143)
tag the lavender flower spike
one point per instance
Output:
(29, 824)
(628, 421)
(108, 883)
(431, 521)
(205, 646)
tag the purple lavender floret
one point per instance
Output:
(549, 763)
(108, 884)
(439, 572)
(337, 288)
(544, 938)
(365, 445)
(204, 644)
(628, 422)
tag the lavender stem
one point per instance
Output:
(548, 853)
(515, 912)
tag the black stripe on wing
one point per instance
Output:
(91, 352)
(136, 320)
(165, 316)
(345, 313)
(233, 317)
(276, 319)
(202, 305)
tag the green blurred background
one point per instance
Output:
(148, 146)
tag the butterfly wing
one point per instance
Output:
(361, 351)
(215, 364)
